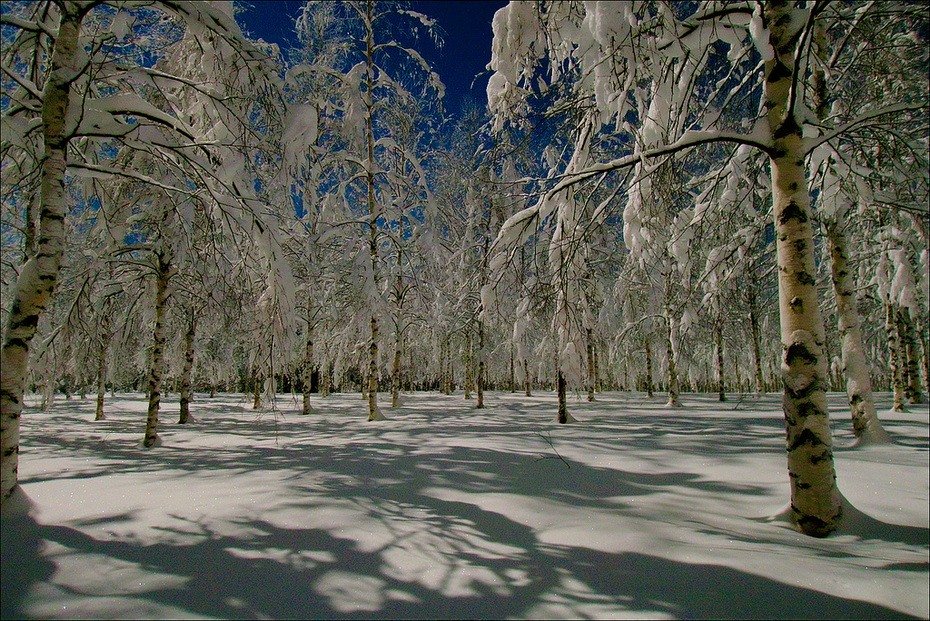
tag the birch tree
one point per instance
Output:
(601, 40)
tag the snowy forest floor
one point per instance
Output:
(447, 511)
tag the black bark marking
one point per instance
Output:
(788, 127)
(799, 245)
(6, 394)
(806, 438)
(824, 456)
(807, 408)
(798, 352)
(812, 525)
(779, 71)
(796, 303)
(13, 450)
(804, 278)
(17, 342)
(792, 212)
(30, 321)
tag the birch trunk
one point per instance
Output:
(396, 373)
(925, 357)
(648, 368)
(670, 326)
(754, 332)
(102, 362)
(307, 408)
(912, 389)
(36, 282)
(374, 413)
(187, 369)
(527, 382)
(479, 383)
(469, 372)
(815, 500)
(257, 382)
(672, 372)
(718, 346)
(894, 359)
(513, 372)
(325, 381)
(157, 360)
(866, 426)
(398, 338)
(563, 407)
(590, 355)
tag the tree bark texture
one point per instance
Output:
(39, 275)
(866, 426)
(895, 359)
(718, 346)
(754, 333)
(815, 500)
(307, 408)
(157, 360)
(187, 369)
(648, 367)
(590, 356)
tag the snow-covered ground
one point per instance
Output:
(447, 511)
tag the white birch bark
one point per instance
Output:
(866, 426)
(306, 408)
(157, 359)
(102, 362)
(895, 366)
(36, 282)
(815, 500)
(648, 368)
(187, 369)
(374, 412)
(718, 347)
(754, 333)
(590, 356)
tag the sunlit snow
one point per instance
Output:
(445, 511)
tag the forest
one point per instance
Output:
(699, 208)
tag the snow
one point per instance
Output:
(446, 511)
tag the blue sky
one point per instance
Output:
(466, 32)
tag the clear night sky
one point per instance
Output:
(466, 32)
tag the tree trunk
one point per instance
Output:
(513, 372)
(912, 388)
(648, 368)
(672, 373)
(374, 413)
(866, 426)
(157, 360)
(527, 382)
(925, 357)
(815, 507)
(563, 408)
(307, 408)
(754, 333)
(257, 382)
(396, 373)
(718, 346)
(469, 373)
(479, 384)
(39, 275)
(187, 369)
(102, 362)
(596, 358)
(326, 381)
(590, 353)
(894, 358)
